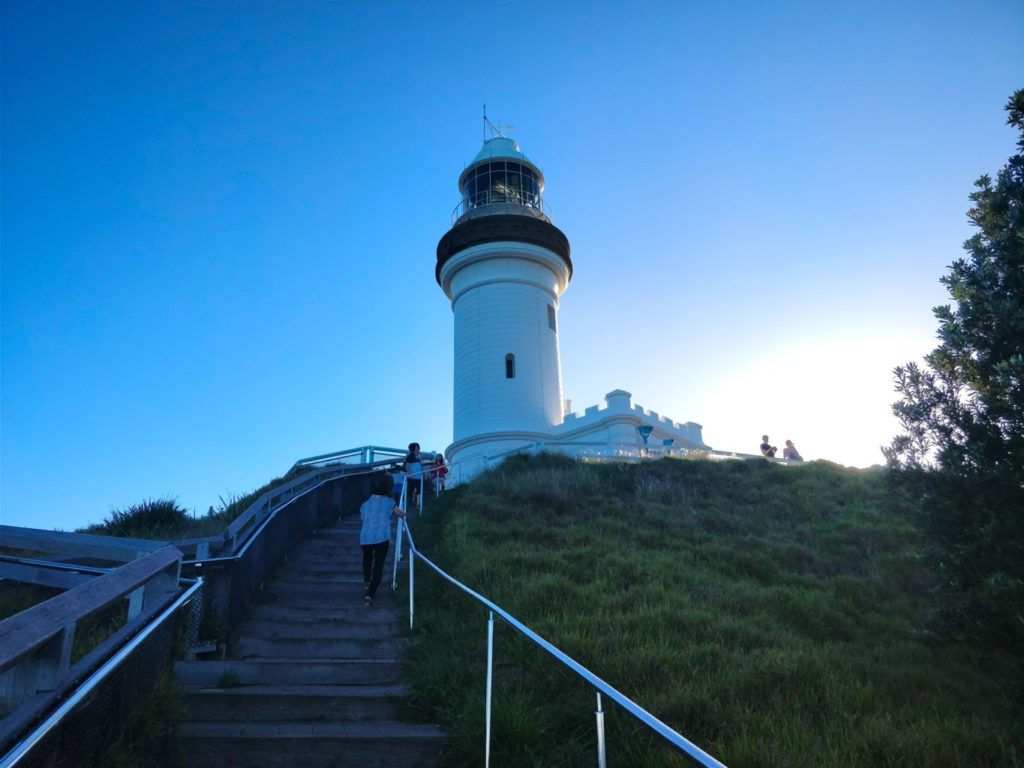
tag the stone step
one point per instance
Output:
(242, 672)
(321, 564)
(313, 703)
(346, 558)
(313, 568)
(336, 537)
(348, 524)
(312, 630)
(312, 745)
(349, 553)
(308, 576)
(289, 581)
(338, 548)
(334, 611)
(307, 648)
(323, 596)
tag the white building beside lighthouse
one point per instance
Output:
(504, 266)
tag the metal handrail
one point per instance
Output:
(23, 747)
(365, 453)
(272, 511)
(666, 732)
(249, 522)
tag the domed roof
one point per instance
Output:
(500, 147)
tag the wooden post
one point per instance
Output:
(42, 672)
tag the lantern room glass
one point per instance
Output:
(501, 181)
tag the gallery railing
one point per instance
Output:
(488, 202)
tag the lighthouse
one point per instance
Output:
(504, 267)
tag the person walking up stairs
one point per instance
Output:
(314, 678)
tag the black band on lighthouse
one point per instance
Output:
(497, 227)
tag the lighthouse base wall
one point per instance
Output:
(600, 433)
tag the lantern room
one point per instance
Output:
(501, 179)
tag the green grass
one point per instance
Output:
(16, 597)
(774, 615)
(228, 679)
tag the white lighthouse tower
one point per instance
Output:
(503, 265)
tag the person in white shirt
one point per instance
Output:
(376, 513)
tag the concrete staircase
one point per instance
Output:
(314, 678)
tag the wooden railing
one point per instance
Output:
(36, 668)
(35, 644)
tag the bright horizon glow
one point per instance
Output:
(218, 223)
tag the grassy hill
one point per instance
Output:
(774, 615)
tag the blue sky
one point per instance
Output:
(219, 221)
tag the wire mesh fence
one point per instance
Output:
(88, 735)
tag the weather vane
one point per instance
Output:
(496, 130)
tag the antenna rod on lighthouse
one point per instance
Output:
(495, 130)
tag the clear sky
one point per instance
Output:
(219, 220)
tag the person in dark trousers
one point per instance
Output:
(376, 513)
(414, 476)
(766, 449)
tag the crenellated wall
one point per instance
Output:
(617, 422)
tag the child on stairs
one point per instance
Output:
(376, 514)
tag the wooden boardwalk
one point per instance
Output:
(314, 677)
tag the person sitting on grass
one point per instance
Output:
(377, 512)
(790, 453)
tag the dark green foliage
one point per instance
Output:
(15, 597)
(150, 519)
(94, 630)
(163, 519)
(774, 615)
(962, 452)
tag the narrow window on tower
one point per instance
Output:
(510, 366)
(551, 318)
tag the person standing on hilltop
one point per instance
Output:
(440, 472)
(766, 449)
(376, 514)
(414, 473)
